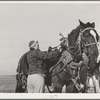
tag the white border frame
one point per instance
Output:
(50, 95)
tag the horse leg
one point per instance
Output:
(19, 88)
(69, 87)
(83, 77)
(57, 89)
(18, 85)
(96, 84)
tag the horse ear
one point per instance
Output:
(81, 23)
(93, 25)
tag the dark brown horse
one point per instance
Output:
(80, 41)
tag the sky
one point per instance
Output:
(22, 22)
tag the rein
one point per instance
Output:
(62, 68)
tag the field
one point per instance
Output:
(8, 84)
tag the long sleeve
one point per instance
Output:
(48, 55)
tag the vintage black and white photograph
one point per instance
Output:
(49, 47)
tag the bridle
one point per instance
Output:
(83, 44)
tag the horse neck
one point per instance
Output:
(72, 37)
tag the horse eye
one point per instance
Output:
(87, 33)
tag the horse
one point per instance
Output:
(80, 40)
(22, 74)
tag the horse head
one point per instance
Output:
(84, 39)
(89, 39)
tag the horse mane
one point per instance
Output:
(73, 35)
